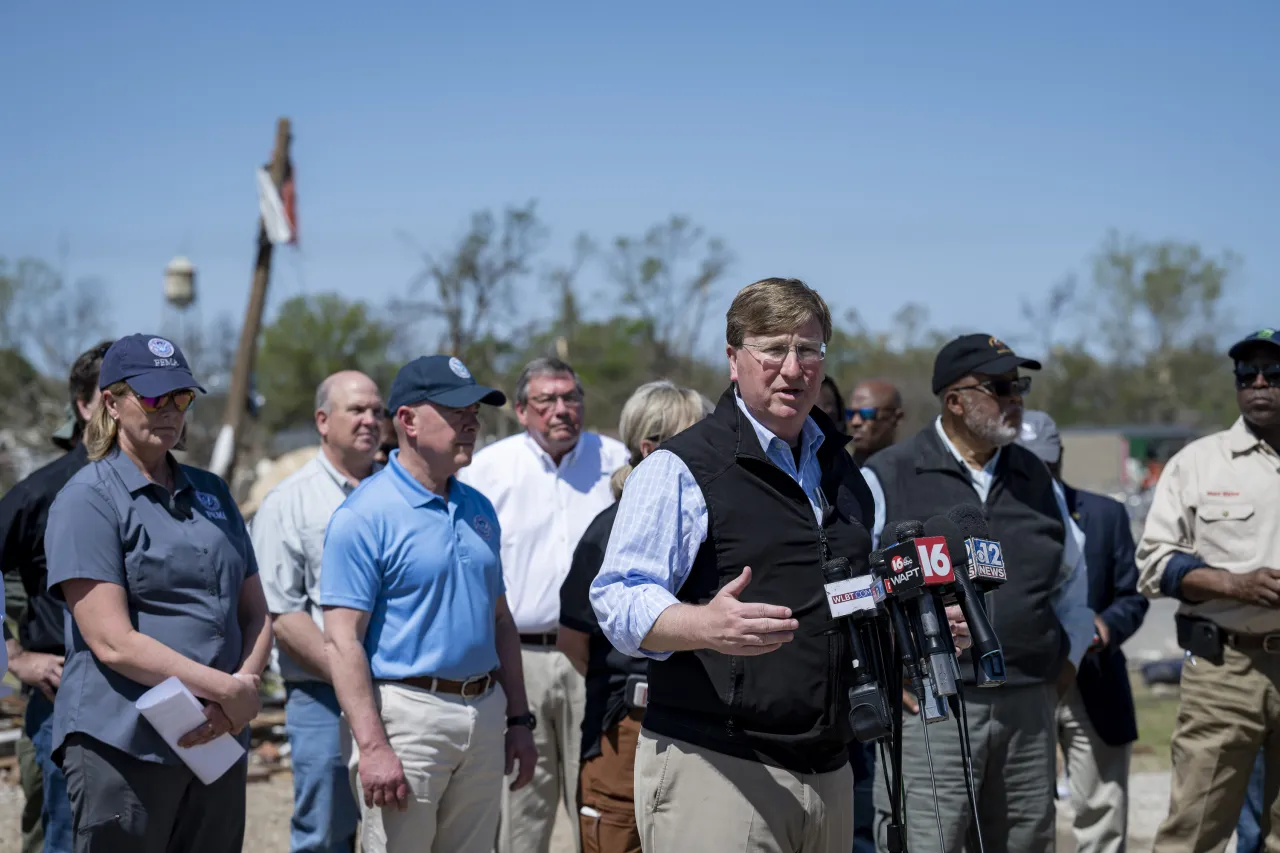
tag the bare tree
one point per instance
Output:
(471, 287)
(45, 318)
(668, 276)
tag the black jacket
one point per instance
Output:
(789, 707)
(24, 511)
(1103, 679)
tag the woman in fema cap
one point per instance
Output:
(157, 570)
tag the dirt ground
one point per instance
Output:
(269, 805)
(270, 802)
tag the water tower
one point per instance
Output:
(179, 294)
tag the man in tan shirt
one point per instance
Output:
(1212, 540)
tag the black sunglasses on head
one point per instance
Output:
(1247, 374)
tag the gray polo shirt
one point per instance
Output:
(181, 559)
(288, 536)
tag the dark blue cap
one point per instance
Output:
(440, 379)
(152, 366)
(1262, 336)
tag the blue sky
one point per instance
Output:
(953, 154)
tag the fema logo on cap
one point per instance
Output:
(160, 348)
(1267, 334)
(483, 527)
(459, 369)
(1028, 431)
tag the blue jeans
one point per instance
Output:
(325, 816)
(862, 759)
(1249, 829)
(55, 813)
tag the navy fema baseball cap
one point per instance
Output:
(152, 366)
(440, 379)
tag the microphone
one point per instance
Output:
(850, 599)
(986, 558)
(915, 620)
(986, 654)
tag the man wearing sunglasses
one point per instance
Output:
(1212, 541)
(874, 413)
(1041, 614)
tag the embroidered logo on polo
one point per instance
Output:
(212, 506)
(483, 527)
(459, 369)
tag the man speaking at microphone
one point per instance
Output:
(714, 571)
(1040, 615)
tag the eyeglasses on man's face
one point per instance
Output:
(1000, 387)
(773, 355)
(866, 413)
(548, 401)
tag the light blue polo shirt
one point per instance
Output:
(427, 571)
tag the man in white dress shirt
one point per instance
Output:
(547, 484)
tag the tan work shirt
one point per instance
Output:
(1218, 498)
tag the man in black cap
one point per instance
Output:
(1212, 541)
(36, 654)
(422, 648)
(1041, 614)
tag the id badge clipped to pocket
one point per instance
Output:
(637, 691)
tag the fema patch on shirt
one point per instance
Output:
(483, 527)
(212, 506)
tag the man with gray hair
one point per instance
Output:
(288, 537)
(546, 484)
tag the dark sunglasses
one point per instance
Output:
(1247, 374)
(869, 413)
(1000, 387)
(182, 400)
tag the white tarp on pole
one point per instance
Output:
(274, 218)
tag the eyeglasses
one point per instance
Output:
(1000, 387)
(1247, 374)
(772, 356)
(182, 400)
(869, 413)
(547, 401)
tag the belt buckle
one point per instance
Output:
(1271, 644)
(487, 678)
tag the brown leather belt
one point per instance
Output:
(476, 685)
(1269, 643)
(547, 639)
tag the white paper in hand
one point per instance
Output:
(172, 710)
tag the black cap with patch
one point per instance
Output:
(1261, 337)
(983, 354)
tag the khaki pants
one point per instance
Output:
(1098, 776)
(557, 694)
(1226, 714)
(690, 798)
(606, 792)
(453, 751)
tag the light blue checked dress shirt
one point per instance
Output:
(661, 524)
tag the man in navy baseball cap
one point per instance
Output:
(440, 379)
(153, 366)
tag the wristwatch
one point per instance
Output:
(525, 719)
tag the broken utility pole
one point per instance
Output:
(223, 460)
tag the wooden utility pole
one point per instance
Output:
(224, 449)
